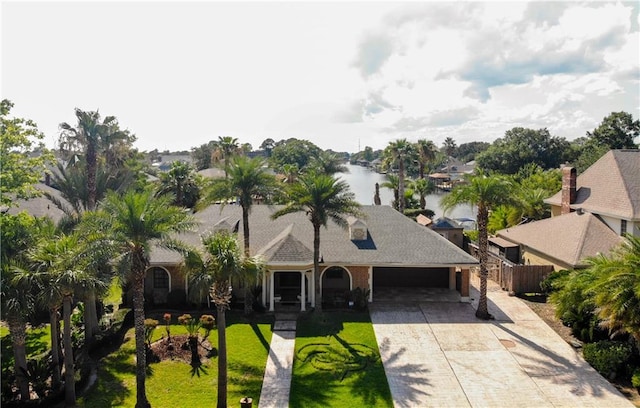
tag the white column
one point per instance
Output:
(264, 288)
(370, 284)
(313, 288)
(303, 298)
(271, 289)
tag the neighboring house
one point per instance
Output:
(610, 189)
(589, 215)
(41, 206)
(383, 249)
(449, 229)
(166, 160)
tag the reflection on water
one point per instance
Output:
(362, 183)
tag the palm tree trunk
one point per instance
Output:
(222, 358)
(421, 169)
(423, 202)
(316, 265)
(248, 295)
(401, 185)
(141, 352)
(483, 312)
(18, 330)
(55, 348)
(90, 318)
(69, 371)
(91, 175)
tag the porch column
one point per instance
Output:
(313, 288)
(452, 278)
(264, 288)
(271, 289)
(464, 287)
(370, 272)
(303, 300)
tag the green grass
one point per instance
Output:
(37, 342)
(174, 383)
(337, 363)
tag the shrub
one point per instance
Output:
(414, 212)
(149, 327)
(555, 281)
(635, 378)
(607, 357)
(471, 234)
(359, 297)
(207, 322)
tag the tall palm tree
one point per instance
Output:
(226, 146)
(426, 153)
(291, 173)
(485, 192)
(247, 180)
(88, 137)
(449, 146)
(392, 183)
(399, 151)
(327, 163)
(617, 287)
(59, 272)
(183, 182)
(321, 197)
(210, 274)
(129, 225)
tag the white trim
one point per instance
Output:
(159, 267)
(336, 266)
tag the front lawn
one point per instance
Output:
(175, 383)
(337, 363)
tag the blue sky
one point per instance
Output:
(342, 75)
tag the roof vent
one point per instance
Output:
(357, 229)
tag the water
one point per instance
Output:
(362, 182)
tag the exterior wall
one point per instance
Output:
(532, 258)
(360, 276)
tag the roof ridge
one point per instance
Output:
(583, 234)
(277, 242)
(627, 190)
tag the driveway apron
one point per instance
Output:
(437, 354)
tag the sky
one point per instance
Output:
(343, 75)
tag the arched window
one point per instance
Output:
(160, 278)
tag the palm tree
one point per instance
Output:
(426, 153)
(130, 225)
(423, 187)
(485, 192)
(321, 197)
(247, 180)
(399, 151)
(291, 173)
(58, 271)
(327, 163)
(617, 287)
(89, 135)
(183, 182)
(210, 274)
(226, 146)
(392, 184)
(449, 146)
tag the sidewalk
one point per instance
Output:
(277, 374)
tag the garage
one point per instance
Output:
(384, 277)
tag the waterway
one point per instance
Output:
(362, 182)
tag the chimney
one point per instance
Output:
(568, 189)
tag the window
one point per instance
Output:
(623, 227)
(160, 279)
(334, 273)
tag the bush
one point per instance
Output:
(555, 281)
(607, 357)
(635, 378)
(359, 297)
(414, 212)
(471, 234)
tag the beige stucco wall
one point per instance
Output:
(530, 257)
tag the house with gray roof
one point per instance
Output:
(382, 249)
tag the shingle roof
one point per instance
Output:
(393, 239)
(41, 206)
(611, 186)
(285, 248)
(569, 238)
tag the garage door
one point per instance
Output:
(411, 277)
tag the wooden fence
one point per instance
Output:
(512, 277)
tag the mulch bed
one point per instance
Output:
(178, 349)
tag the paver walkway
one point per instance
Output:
(437, 354)
(277, 374)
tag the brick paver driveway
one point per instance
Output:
(437, 354)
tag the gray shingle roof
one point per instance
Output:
(611, 186)
(41, 206)
(569, 238)
(393, 239)
(285, 248)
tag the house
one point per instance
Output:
(381, 250)
(450, 229)
(589, 215)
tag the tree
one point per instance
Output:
(19, 233)
(226, 147)
(183, 183)
(57, 269)
(617, 287)
(485, 192)
(201, 155)
(268, 145)
(449, 146)
(210, 274)
(293, 151)
(247, 181)
(423, 187)
(398, 152)
(20, 169)
(327, 163)
(617, 131)
(392, 184)
(467, 152)
(129, 225)
(521, 146)
(321, 197)
(426, 153)
(291, 173)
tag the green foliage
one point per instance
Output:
(294, 152)
(192, 325)
(149, 326)
(617, 131)
(521, 146)
(554, 281)
(467, 152)
(471, 234)
(414, 212)
(21, 169)
(607, 357)
(182, 183)
(201, 155)
(635, 378)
